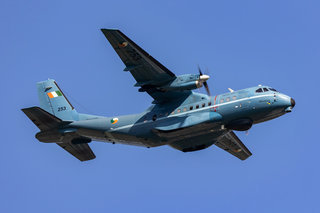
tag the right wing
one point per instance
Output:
(143, 67)
(149, 73)
(232, 144)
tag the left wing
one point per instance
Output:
(232, 144)
(226, 140)
(147, 71)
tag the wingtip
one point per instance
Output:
(106, 30)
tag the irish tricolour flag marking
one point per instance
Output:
(54, 94)
(114, 120)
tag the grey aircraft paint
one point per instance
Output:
(178, 117)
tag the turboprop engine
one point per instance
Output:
(186, 82)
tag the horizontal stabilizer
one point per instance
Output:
(81, 151)
(42, 119)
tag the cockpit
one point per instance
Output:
(265, 89)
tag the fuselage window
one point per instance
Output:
(228, 99)
(221, 101)
(191, 108)
(172, 112)
(179, 110)
(265, 90)
(185, 109)
(197, 106)
(234, 97)
(154, 117)
(203, 105)
(259, 90)
(209, 104)
(273, 89)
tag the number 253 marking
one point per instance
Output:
(62, 108)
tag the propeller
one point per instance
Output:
(204, 79)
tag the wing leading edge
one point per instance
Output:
(147, 71)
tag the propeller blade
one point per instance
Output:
(205, 84)
(199, 70)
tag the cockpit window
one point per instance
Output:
(265, 90)
(273, 89)
(259, 90)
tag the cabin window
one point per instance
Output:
(179, 110)
(209, 104)
(154, 117)
(172, 113)
(265, 90)
(259, 90)
(166, 114)
(185, 109)
(203, 105)
(197, 106)
(221, 100)
(191, 108)
(234, 97)
(273, 89)
(228, 99)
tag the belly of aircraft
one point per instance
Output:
(157, 138)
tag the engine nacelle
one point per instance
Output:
(186, 82)
(182, 82)
(184, 86)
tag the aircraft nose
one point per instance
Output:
(293, 102)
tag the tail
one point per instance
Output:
(54, 101)
(55, 113)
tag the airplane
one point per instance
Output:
(179, 117)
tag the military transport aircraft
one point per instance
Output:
(178, 117)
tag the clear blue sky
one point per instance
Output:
(242, 43)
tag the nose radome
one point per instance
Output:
(293, 103)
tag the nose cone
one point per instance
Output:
(293, 103)
(204, 77)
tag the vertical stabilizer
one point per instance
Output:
(54, 101)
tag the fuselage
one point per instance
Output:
(198, 114)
